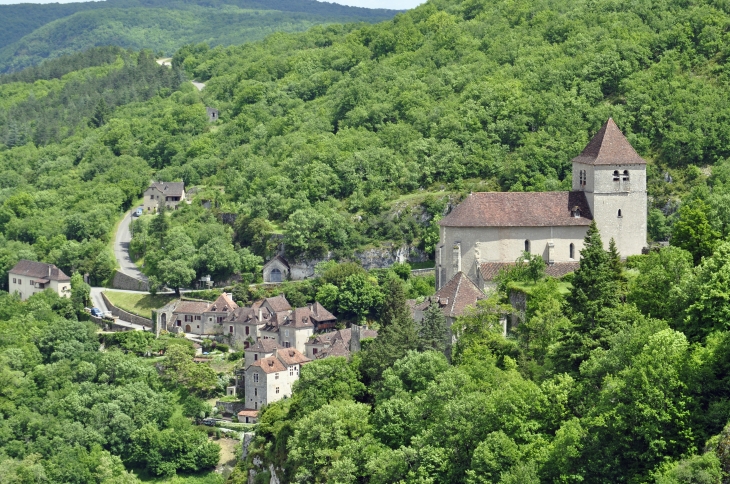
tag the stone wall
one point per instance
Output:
(129, 283)
(231, 408)
(124, 315)
(518, 300)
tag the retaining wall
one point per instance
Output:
(124, 315)
(129, 283)
(230, 407)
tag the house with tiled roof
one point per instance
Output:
(490, 230)
(342, 342)
(270, 379)
(167, 194)
(276, 270)
(28, 277)
(453, 299)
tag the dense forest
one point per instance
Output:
(351, 136)
(30, 33)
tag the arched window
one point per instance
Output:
(626, 174)
(527, 246)
(572, 251)
(615, 175)
(275, 275)
(619, 212)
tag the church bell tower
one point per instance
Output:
(613, 177)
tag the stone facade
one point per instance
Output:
(270, 379)
(609, 187)
(160, 194)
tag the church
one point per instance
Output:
(490, 230)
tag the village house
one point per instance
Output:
(270, 379)
(27, 278)
(167, 194)
(453, 299)
(489, 231)
(342, 342)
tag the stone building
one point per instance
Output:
(489, 230)
(453, 299)
(160, 194)
(212, 114)
(28, 277)
(270, 379)
(277, 270)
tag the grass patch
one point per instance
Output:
(209, 477)
(137, 303)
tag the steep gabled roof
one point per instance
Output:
(338, 348)
(269, 365)
(320, 314)
(39, 270)
(299, 318)
(609, 147)
(170, 189)
(278, 303)
(291, 356)
(224, 303)
(264, 346)
(454, 297)
(245, 315)
(277, 258)
(519, 209)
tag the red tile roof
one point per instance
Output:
(191, 307)
(490, 270)
(39, 270)
(224, 303)
(291, 356)
(249, 413)
(454, 297)
(270, 364)
(609, 147)
(519, 209)
(320, 314)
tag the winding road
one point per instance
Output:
(121, 249)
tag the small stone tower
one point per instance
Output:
(613, 177)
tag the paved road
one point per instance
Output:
(198, 85)
(121, 249)
(98, 302)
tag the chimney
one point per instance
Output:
(260, 314)
(49, 271)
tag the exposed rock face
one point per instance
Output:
(376, 258)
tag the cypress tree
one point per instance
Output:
(394, 306)
(595, 290)
(432, 331)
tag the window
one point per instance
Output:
(277, 390)
(619, 213)
(220, 319)
(527, 246)
(314, 351)
(230, 329)
(179, 323)
(626, 175)
(572, 251)
(615, 175)
(256, 405)
(286, 332)
(152, 197)
(276, 376)
(286, 344)
(255, 357)
(255, 377)
(13, 280)
(198, 326)
(197, 318)
(255, 392)
(247, 330)
(291, 371)
(20, 282)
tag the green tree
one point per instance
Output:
(176, 273)
(433, 331)
(360, 296)
(80, 292)
(595, 290)
(692, 231)
(394, 307)
(322, 382)
(655, 290)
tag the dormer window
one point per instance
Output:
(576, 212)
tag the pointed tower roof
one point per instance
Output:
(609, 147)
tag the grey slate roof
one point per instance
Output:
(39, 270)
